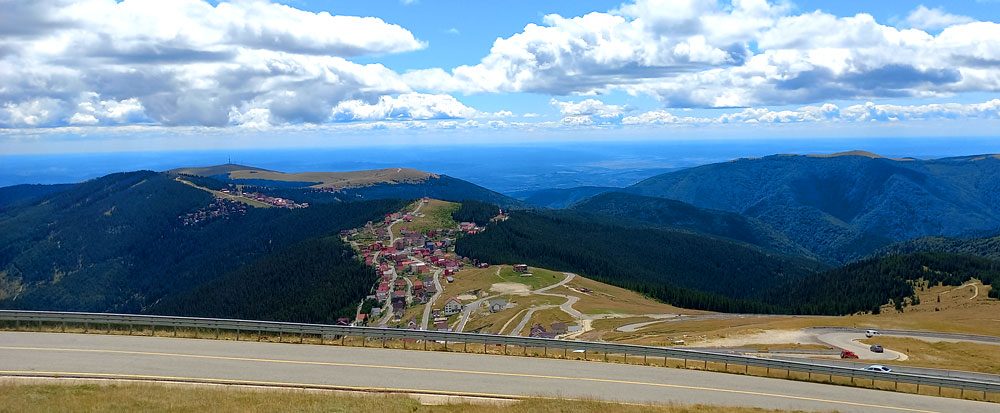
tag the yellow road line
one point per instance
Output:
(439, 370)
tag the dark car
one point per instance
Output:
(877, 348)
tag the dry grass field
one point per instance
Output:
(339, 180)
(31, 398)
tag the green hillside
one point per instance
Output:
(844, 207)
(701, 272)
(679, 267)
(676, 214)
(117, 243)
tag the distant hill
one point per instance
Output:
(676, 214)
(558, 198)
(988, 247)
(16, 193)
(697, 271)
(844, 207)
(118, 243)
(681, 268)
(215, 170)
(394, 183)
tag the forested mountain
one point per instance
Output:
(474, 211)
(870, 283)
(676, 214)
(11, 195)
(557, 198)
(988, 247)
(679, 267)
(314, 281)
(117, 243)
(844, 207)
(701, 272)
(315, 187)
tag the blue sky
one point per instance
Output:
(139, 75)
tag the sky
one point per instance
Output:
(146, 75)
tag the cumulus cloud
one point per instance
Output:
(404, 107)
(933, 19)
(187, 62)
(743, 53)
(828, 112)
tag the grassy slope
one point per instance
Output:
(956, 313)
(162, 398)
(437, 215)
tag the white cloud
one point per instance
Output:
(697, 53)
(933, 19)
(187, 62)
(589, 107)
(829, 112)
(404, 107)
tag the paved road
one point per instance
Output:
(368, 368)
(425, 322)
(848, 341)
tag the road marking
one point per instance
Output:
(438, 370)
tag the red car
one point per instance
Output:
(846, 354)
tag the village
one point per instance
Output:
(269, 200)
(414, 255)
(219, 208)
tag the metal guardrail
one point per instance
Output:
(260, 327)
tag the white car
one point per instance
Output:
(871, 333)
(878, 367)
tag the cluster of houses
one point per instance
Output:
(220, 208)
(257, 196)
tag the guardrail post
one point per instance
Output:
(109, 328)
(175, 330)
(644, 358)
(237, 334)
(17, 324)
(545, 351)
(465, 346)
(505, 349)
(130, 329)
(63, 326)
(86, 326)
(217, 333)
(342, 339)
(383, 341)
(280, 336)
(301, 337)
(152, 330)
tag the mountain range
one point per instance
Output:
(723, 236)
(844, 207)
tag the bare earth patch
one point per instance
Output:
(763, 337)
(510, 288)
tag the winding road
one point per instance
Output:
(430, 372)
(437, 293)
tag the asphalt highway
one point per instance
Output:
(80, 355)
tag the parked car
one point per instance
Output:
(871, 333)
(878, 367)
(847, 354)
(877, 348)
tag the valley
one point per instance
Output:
(358, 248)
